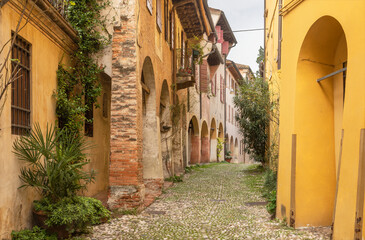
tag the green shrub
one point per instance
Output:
(33, 234)
(76, 213)
(270, 179)
(174, 179)
(269, 190)
(55, 162)
(271, 206)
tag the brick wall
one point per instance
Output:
(125, 171)
(195, 150)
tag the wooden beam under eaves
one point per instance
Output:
(182, 3)
(199, 17)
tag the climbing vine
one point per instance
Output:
(79, 86)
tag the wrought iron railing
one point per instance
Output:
(60, 6)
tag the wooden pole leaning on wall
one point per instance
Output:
(337, 182)
(292, 180)
(360, 189)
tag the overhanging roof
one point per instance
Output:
(194, 17)
(228, 35)
(232, 67)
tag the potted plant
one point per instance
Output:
(54, 167)
(228, 156)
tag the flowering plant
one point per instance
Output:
(185, 71)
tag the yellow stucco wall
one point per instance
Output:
(15, 204)
(49, 46)
(316, 114)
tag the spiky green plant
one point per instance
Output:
(54, 162)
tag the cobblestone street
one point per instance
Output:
(213, 202)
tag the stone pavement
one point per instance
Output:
(211, 203)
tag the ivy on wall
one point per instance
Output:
(79, 86)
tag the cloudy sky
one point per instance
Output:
(244, 14)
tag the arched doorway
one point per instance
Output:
(166, 131)
(193, 141)
(231, 146)
(205, 146)
(152, 164)
(236, 149)
(318, 121)
(221, 137)
(213, 141)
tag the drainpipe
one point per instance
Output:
(225, 105)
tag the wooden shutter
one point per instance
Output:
(182, 50)
(149, 5)
(166, 17)
(20, 88)
(158, 15)
(204, 76)
(172, 29)
(215, 84)
(221, 89)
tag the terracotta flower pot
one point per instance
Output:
(40, 217)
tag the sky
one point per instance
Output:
(244, 14)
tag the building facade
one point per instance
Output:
(313, 49)
(235, 73)
(162, 106)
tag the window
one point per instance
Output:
(166, 17)
(172, 30)
(214, 87)
(221, 89)
(20, 88)
(158, 15)
(182, 53)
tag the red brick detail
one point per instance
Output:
(126, 189)
(195, 150)
(205, 150)
(153, 188)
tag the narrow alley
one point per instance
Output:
(215, 201)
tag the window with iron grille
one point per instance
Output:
(20, 88)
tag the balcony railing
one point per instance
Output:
(60, 6)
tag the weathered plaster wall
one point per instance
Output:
(16, 204)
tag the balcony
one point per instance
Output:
(185, 75)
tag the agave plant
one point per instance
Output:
(54, 162)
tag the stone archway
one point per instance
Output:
(221, 137)
(231, 146)
(236, 149)
(205, 145)
(151, 158)
(213, 141)
(193, 141)
(318, 121)
(166, 131)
